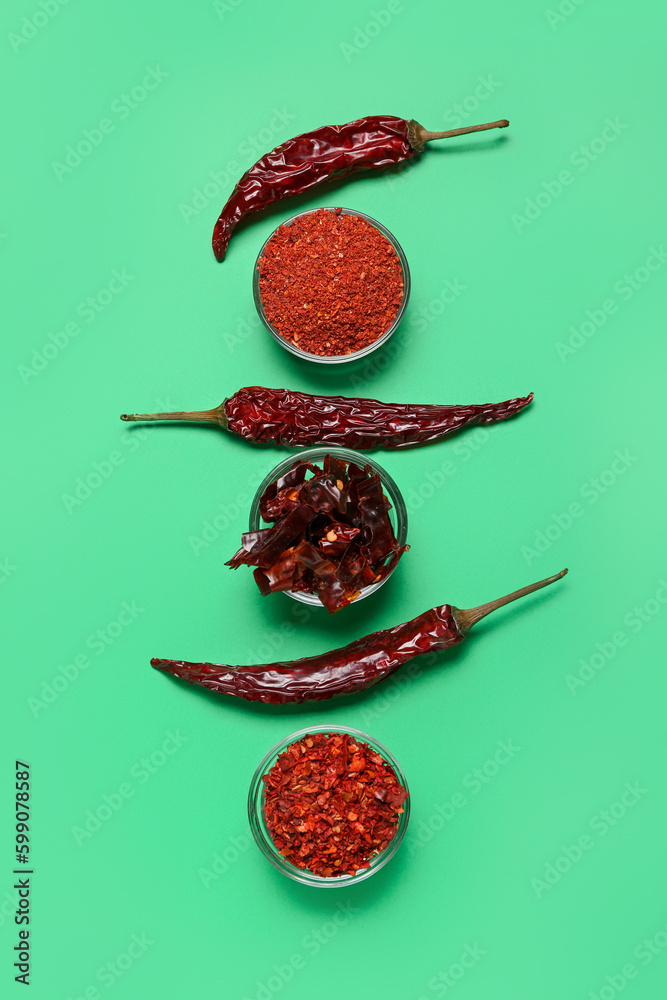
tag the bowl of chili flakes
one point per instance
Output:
(331, 285)
(329, 806)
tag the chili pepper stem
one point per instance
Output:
(418, 135)
(215, 416)
(466, 618)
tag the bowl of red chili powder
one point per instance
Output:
(331, 285)
(328, 807)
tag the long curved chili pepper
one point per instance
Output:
(352, 668)
(291, 418)
(327, 153)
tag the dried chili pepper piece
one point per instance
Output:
(352, 668)
(327, 153)
(272, 542)
(278, 495)
(336, 467)
(279, 576)
(373, 507)
(324, 494)
(337, 538)
(295, 419)
(332, 531)
(333, 592)
(271, 508)
(344, 815)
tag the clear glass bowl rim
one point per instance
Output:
(263, 839)
(316, 454)
(336, 358)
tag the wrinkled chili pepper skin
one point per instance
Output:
(328, 153)
(353, 668)
(291, 418)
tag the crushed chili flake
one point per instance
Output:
(344, 813)
(331, 533)
(330, 283)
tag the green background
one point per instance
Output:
(173, 864)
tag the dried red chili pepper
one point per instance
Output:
(352, 668)
(330, 284)
(331, 803)
(331, 534)
(327, 153)
(285, 417)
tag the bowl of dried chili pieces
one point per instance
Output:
(329, 807)
(327, 527)
(331, 285)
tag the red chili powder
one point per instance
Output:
(332, 803)
(330, 283)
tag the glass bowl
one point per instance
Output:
(336, 359)
(263, 837)
(398, 514)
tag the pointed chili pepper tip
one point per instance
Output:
(523, 401)
(161, 664)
